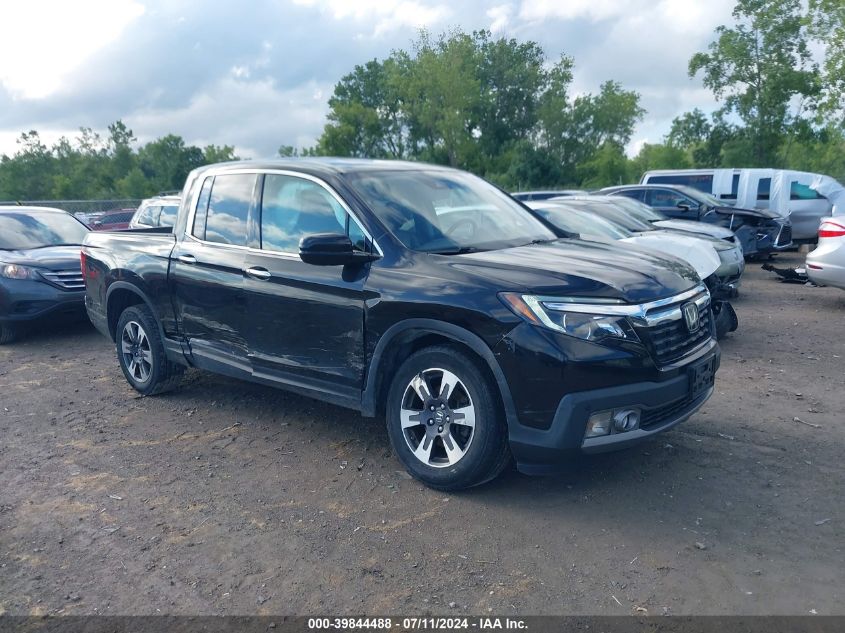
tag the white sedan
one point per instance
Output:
(826, 265)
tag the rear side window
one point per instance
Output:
(797, 191)
(764, 188)
(292, 208)
(228, 209)
(702, 182)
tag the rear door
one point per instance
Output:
(306, 322)
(206, 274)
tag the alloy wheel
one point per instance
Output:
(136, 351)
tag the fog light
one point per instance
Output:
(599, 424)
(626, 420)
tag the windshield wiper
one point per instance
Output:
(549, 241)
(458, 250)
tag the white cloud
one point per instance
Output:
(384, 15)
(537, 10)
(43, 40)
(500, 16)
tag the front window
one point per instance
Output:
(23, 230)
(447, 212)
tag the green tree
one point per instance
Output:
(827, 25)
(758, 68)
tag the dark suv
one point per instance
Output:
(412, 291)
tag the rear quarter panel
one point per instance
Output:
(139, 259)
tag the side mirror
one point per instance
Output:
(331, 249)
(684, 206)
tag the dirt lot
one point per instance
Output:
(230, 498)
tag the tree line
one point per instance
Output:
(501, 108)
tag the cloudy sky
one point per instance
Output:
(258, 74)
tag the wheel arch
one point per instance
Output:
(120, 296)
(406, 337)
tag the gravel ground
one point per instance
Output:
(230, 498)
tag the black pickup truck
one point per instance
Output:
(412, 291)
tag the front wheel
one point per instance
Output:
(140, 353)
(445, 421)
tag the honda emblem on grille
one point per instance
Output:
(691, 317)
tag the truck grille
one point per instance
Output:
(671, 341)
(65, 279)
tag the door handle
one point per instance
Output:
(187, 259)
(258, 273)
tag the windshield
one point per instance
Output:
(638, 209)
(33, 229)
(447, 212)
(699, 196)
(583, 223)
(610, 212)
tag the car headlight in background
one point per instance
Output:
(16, 271)
(587, 322)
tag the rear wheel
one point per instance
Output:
(140, 353)
(445, 422)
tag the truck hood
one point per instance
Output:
(581, 268)
(690, 226)
(50, 257)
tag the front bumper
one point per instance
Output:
(25, 300)
(664, 404)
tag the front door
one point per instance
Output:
(667, 202)
(307, 322)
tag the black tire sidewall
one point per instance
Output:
(142, 315)
(485, 450)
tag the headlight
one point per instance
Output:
(16, 271)
(572, 316)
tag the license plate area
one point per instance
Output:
(702, 376)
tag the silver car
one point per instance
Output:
(826, 265)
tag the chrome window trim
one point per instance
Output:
(189, 226)
(647, 314)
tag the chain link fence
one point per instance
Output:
(78, 207)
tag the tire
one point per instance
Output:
(725, 317)
(9, 333)
(141, 354)
(440, 451)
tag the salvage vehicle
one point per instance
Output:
(416, 292)
(825, 265)
(567, 220)
(156, 212)
(729, 273)
(761, 232)
(805, 198)
(40, 276)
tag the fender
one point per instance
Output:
(454, 332)
(172, 349)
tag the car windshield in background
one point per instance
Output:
(20, 231)
(610, 212)
(700, 196)
(583, 223)
(447, 212)
(638, 209)
(168, 215)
